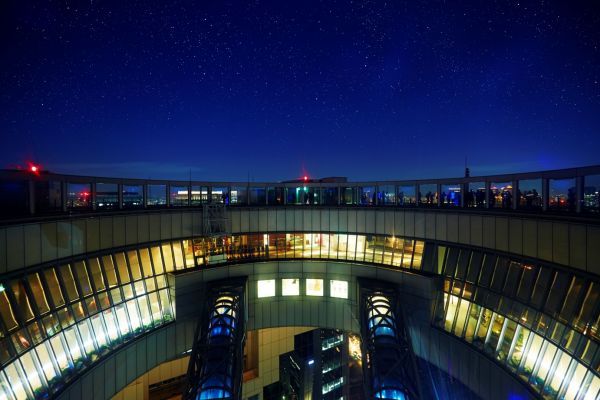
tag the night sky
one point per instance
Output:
(268, 90)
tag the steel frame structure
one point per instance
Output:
(389, 363)
(216, 361)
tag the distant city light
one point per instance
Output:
(305, 178)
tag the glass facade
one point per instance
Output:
(535, 319)
(57, 321)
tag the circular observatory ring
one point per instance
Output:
(498, 277)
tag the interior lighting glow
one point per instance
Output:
(266, 288)
(338, 289)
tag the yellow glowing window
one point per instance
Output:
(266, 288)
(338, 289)
(290, 287)
(314, 287)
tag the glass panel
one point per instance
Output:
(146, 262)
(314, 287)
(179, 263)
(145, 315)
(329, 196)
(155, 307)
(134, 316)
(199, 195)
(96, 272)
(561, 194)
(258, 196)
(476, 195)
(157, 260)
(239, 195)
(499, 274)
(530, 194)
(22, 300)
(97, 322)
(112, 328)
(134, 265)
(179, 196)
(83, 278)
(407, 195)
(591, 193)
(348, 196)
(79, 195)
(338, 289)
(366, 195)
(521, 337)
(73, 344)
(275, 195)
(107, 196)
(527, 279)
(220, 195)
(157, 195)
(18, 380)
(428, 195)
(501, 194)
(48, 196)
(386, 195)
(62, 357)
(37, 290)
(557, 293)
(69, 282)
(87, 337)
(122, 268)
(266, 288)
(6, 312)
(290, 287)
(133, 196)
(168, 257)
(46, 357)
(450, 195)
(109, 271)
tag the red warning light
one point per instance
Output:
(305, 178)
(34, 169)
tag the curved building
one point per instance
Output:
(493, 280)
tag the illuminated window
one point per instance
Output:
(266, 288)
(290, 287)
(314, 287)
(338, 289)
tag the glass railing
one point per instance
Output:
(568, 191)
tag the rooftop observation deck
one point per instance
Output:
(573, 192)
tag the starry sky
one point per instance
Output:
(271, 90)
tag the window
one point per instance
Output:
(290, 287)
(199, 195)
(406, 195)
(475, 197)
(79, 195)
(428, 195)
(501, 194)
(530, 194)
(179, 196)
(314, 287)
(266, 288)
(591, 193)
(133, 196)
(157, 195)
(450, 195)
(386, 195)
(257, 196)
(562, 194)
(107, 196)
(338, 289)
